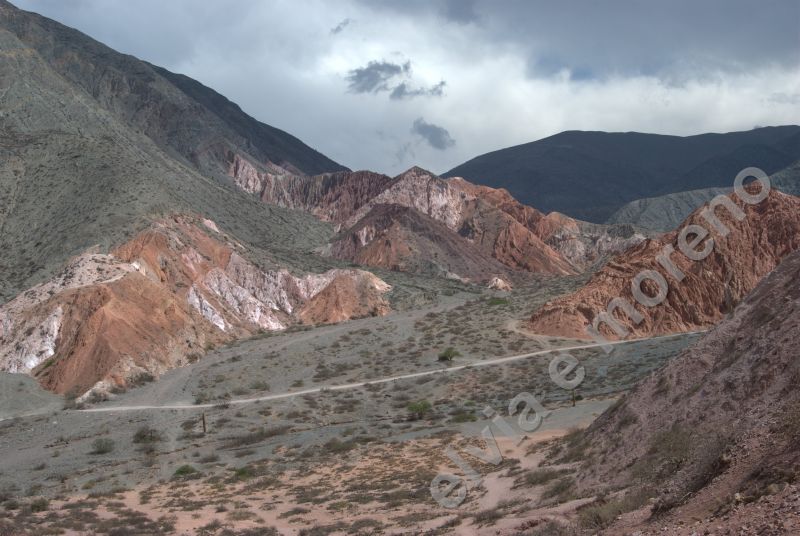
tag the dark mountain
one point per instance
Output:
(666, 212)
(95, 145)
(179, 114)
(589, 175)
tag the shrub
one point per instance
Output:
(539, 477)
(560, 489)
(419, 409)
(184, 470)
(40, 505)
(146, 434)
(601, 514)
(102, 445)
(448, 354)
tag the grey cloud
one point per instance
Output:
(341, 26)
(404, 91)
(785, 98)
(597, 40)
(375, 76)
(460, 11)
(436, 136)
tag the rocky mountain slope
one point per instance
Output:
(665, 213)
(180, 115)
(727, 450)
(711, 288)
(161, 300)
(94, 145)
(590, 175)
(482, 232)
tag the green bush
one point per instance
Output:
(40, 505)
(419, 409)
(184, 470)
(448, 354)
(146, 434)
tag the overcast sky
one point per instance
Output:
(385, 85)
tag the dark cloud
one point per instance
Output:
(404, 91)
(436, 136)
(341, 26)
(382, 75)
(460, 11)
(516, 70)
(680, 38)
(375, 76)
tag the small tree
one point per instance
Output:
(448, 354)
(419, 409)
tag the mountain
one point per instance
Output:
(118, 220)
(664, 213)
(726, 453)
(95, 145)
(161, 300)
(473, 222)
(589, 175)
(179, 114)
(711, 288)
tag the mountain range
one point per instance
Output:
(237, 310)
(590, 175)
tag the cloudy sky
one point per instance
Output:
(384, 85)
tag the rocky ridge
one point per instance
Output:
(726, 451)
(488, 223)
(158, 301)
(711, 289)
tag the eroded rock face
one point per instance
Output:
(580, 243)
(489, 223)
(499, 284)
(711, 288)
(332, 197)
(401, 238)
(158, 301)
(733, 408)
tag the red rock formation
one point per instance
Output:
(161, 299)
(720, 420)
(332, 197)
(711, 288)
(493, 223)
(401, 238)
(580, 243)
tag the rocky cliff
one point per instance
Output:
(711, 287)
(726, 452)
(159, 301)
(485, 226)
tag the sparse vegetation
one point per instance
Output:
(448, 354)
(102, 445)
(146, 434)
(418, 410)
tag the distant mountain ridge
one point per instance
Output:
(666, 212)
(460, 230)
(590, 175)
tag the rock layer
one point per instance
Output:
(730, 434)
(711, 288)
(481, 222)
(158, 301)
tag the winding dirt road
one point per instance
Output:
(388, 379)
